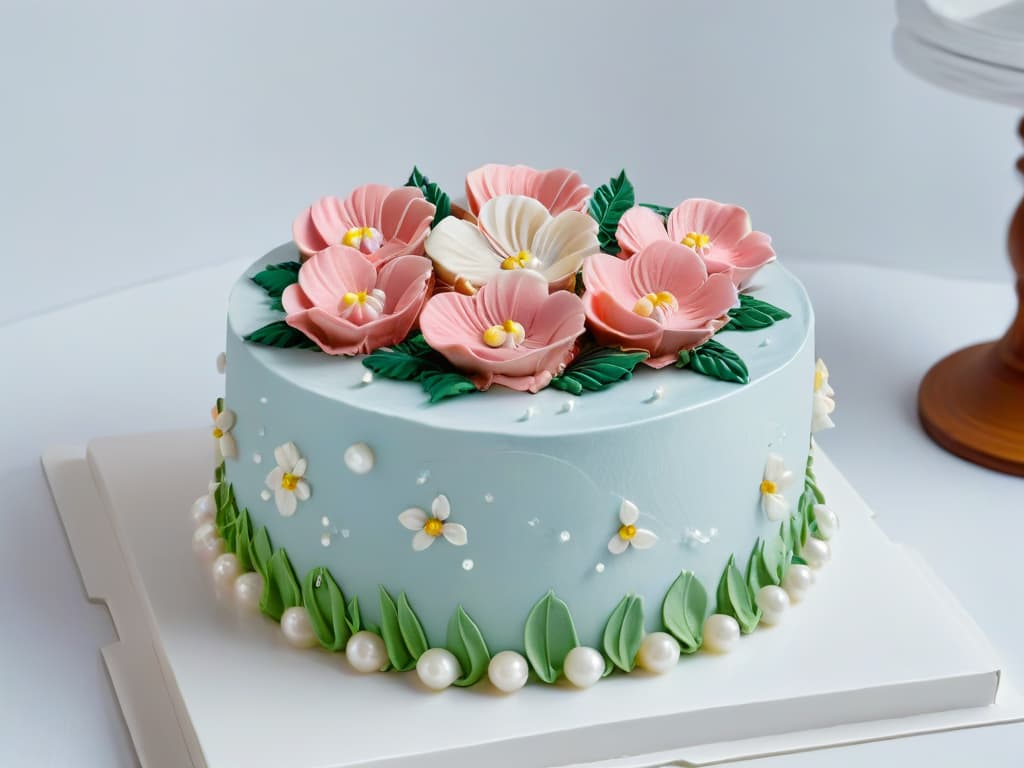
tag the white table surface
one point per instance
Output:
(143, 359)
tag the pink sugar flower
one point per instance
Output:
(720, 234)
(557, 190)
(347, 307)
(511, 332)
(378, 221)
(661, 300)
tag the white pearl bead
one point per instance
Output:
(659, 653)
(204, 510)
(827, 520)
(359, 458)
(816, 552)
(508, 671)
(225, 570)
(365, 651)
(721, 633)
(583, 666)
(248, 589)
(297, 628)
(206, 542)
(773, 602)
(797, 582)
(438, 668)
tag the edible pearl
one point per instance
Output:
(797, 582)
(659, 653)
(226, 569)
(721, 633)
(206, 542)
(248, 590)
(827, 520)
(359, 458)
(203, 510)
(438, 668)
(583, 666)
(773, 602)
(816, 552)
(508, 671)
(365, 651)
(297, 628)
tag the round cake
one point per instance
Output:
(393, 490)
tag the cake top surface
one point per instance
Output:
(648, 395)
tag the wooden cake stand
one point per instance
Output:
(972, 402)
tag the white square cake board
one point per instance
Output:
(878, 649)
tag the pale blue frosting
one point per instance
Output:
(539, 497)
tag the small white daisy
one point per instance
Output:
(628, 534)
(429, 527)
(287, 479)
(776, 479)
(224, 443)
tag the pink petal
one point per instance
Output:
(618, 326)
(638, 227)
(330, 220)
(749, 255)
(405, 215)
(334, 335)
(675, 339)
(331, 273)
(305, 234)
(295, 300)
(726, 225)
(712, 299)
(607, 274)
(560, 318)
(666, 266)
(533, 383)
(512, 295)
(404, 280)
(560, 189)
(364, 205)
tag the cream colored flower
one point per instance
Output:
(628, 534)
(430, 527)
(223, 442)
(776, 479)
(287, 479)
(823, 403)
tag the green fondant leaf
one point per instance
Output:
(444, 384)
(280, 334)
(734, 598)
(775, 557)
(405, 361)
(434, 194)
(274, 278)
(624, 632)
(353, 617)
(549, 636)
(684, 609)
(753, 314)
(412, 631)
(281, 589)
(220, 473)
(607, 205)
(597, 369)
(716, 360)
(399, 654)
(261, 552)
(227, 513)
(661, 210)
(326, 606)
(757, 571)
(467, 644)
(243, 541)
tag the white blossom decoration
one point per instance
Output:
(432, 526)
(824, 403)
(288, 479)
(628, 534)
(776, 479)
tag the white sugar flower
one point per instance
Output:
(776, 479)
(287, 479)
(824, 404)
(223, 422)
(628, 534)
(429, 527)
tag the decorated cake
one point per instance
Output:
(550, 433)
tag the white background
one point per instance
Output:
(141, 139)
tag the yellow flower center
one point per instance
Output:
(508, 334)
(767, 486)
(433, 527)
(695, 240)
(289, 481)
(354, 298)
(652, 302)
(218, 432)
(819, 380)
(354, 237)
(520, 261)
(627, 532)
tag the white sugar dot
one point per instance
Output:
(359, 458)
(345, 533)
(534, 522)
(599, 567)
(423, 477)
(261, 431)
(657, 394)
(765, 343)
(527, 415)
(367, 377)
(467, 565)
(325, 539)
(489, 498)
(713, 532)
(567, 407)
(325, 521)
(564, 536)
(257, 457)
(263, 401)
(265, 494)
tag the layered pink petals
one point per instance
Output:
(557, 190)
(347, 307)
(731, 246)
(399, 218)
(662, 300)
(454, 324)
